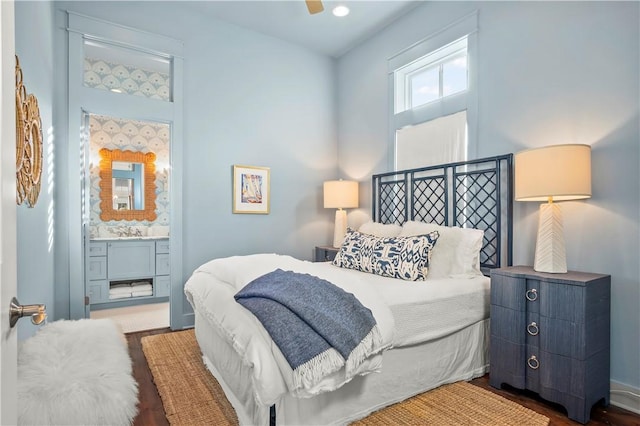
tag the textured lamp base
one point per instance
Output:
(550, 251)
(340, 228)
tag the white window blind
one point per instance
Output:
(439, 141)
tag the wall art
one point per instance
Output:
(251, 189)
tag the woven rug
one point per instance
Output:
(192, 396)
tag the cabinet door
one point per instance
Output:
(97, 268)
(131, 259)
(162, 246)
(98, 291)
(97, 248)
(163, 264)
(161, 286)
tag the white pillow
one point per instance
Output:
(457, 252)
(380, 229)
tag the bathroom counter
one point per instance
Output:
(166, 237)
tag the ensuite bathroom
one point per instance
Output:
(127, 175)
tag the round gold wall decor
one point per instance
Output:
(28, 144)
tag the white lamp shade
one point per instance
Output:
(340, 194)
(562, 172)
(552, 173)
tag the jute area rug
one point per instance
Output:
(192, 396)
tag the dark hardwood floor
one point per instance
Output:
(151, 412)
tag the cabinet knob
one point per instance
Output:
(531, 295)
(533, 329)
(533, 362)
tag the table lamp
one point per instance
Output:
(552, 173)
(340, 194)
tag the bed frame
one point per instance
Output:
(470, 194)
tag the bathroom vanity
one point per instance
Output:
(127, 271)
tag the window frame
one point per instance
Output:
(467, 26)
(403, 77)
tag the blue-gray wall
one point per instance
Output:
(34, 26)
(548, 73)
(249, 99)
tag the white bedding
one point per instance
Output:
(427, 310)
(211, 288)
(407, 313)
(407, 371)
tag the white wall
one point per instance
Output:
(35, 251)
(249, 99)
(548, 73)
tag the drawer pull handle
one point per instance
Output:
(533, 329)
(533, 362)
(531, 295)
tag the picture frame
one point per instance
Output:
(251, 189)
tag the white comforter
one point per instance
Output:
(210, 291)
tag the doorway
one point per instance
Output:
(127, 82)
(128, 209)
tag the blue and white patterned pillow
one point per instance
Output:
(406, 258)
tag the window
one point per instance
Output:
(434, 76)
(127, 71)
(433, 111)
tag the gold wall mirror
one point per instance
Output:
(28, 144)
(127, 185)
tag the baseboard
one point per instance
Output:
(625, 396)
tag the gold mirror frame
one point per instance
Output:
(28, 144)
(107, 157)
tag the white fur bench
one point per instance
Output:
(76, 373)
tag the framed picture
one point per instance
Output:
(251, 189)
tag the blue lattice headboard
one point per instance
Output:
(471, 194)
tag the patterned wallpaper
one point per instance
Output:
(114, 133)
(100, 74)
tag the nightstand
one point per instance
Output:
(550, 335)
(325, 253)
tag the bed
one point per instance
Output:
(432, 332)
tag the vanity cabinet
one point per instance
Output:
(550, 335)
(125, 270)
(131, 259)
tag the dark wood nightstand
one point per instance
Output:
(325, 253)
(550, 335)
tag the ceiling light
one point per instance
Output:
(341, 11)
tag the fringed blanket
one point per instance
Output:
(318, 327)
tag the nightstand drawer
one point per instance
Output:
(325, 254)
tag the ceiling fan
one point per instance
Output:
(314, 6)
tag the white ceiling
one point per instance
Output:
(324, 33)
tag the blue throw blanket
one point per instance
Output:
(318, 326)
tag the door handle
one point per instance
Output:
(38, 313)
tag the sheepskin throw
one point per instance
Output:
(76, 373)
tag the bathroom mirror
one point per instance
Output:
(127, 185)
